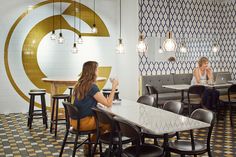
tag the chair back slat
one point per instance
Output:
(147, 100)
(71, 113)
(103, 117)
(203, 115)
(173, 106)
(232, 89)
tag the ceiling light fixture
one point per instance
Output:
(215, 46)
(75, 48)
(94, 28)
(169, 44)
(53, 34)
(80, 39)
(120, 46)
(61, 38)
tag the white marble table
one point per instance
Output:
(178, 87)
(153, 119)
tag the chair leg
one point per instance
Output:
(75, 144)
(52, 115)
(44, 111)
(89, 144)
(209, 153)
(177, 135)
(64, 142)
(95, 145)
(155, 141)
(56, 120)
(182, 155)
(231, 116)
(31, 112)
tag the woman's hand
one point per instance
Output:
(115, 84)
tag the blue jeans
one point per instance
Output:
(210, 98)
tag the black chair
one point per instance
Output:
(193, 147)
(55, 120)
(195, 94)
(70, 92)
(153, 91)
(37, 114)
(111, 137)
(231, 100)
(172, 106)
(137, 149)
(72, 113)
(147, 100)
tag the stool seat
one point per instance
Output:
(38, 90)
(36, 93)
(60, 96)
(70, 87)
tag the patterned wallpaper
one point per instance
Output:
(197, 19)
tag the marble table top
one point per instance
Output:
(153, 119)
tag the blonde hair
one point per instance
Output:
(202, 60)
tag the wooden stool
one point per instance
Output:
(37, 113)
(54, 114)
(71, 92)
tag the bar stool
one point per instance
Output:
(54, 114)
(37, 114)
(71, 92)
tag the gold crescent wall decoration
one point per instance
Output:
(41, 29)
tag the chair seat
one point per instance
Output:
(186, 147)
(38, 90)
(105, 138)
(37, 93)
(148, 134)
(195, 101)
(145, 151)
(75, 131)
(226, 100)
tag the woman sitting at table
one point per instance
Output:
(202, 75)
(87, 95)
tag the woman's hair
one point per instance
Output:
(202, 60)
(87, 78)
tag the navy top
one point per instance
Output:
(84, 106)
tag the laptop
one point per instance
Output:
(222, 78)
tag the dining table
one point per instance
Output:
(154, 120)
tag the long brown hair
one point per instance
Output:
(87, 78)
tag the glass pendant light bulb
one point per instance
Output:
(120, 47)
(80, 40)
(183, 48)
(53, 35)
(94, 29)
(60, 39)
(169, 44)
(160, 50)
(215, 48)
(142, 46)
(75, 49)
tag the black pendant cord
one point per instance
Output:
(141, 14)
(169, 15)
(94, 7)
(183, 19)
(214, 23)
(74, 19)
(80, 17)
(120, 18)
(53, 13)
(60, 15)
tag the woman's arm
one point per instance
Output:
(107, 101)
(209, 73)
(196, 75)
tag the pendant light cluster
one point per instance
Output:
(120, 46)
(53, 34)
(75, 48)
(182, 48)
(61, 38)
(94, 28)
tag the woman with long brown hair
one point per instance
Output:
(87, 95)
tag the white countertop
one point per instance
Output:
(153, 119)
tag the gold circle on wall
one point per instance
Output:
(41, 29)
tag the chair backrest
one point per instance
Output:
(231, 90)
(128, 130)
(103, 117)
(71, 112)
(147, 100)
(173, 106)
(196, 89)
(151, 89)
(207, 117)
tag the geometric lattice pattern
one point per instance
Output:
(17, 140)
(199, 23)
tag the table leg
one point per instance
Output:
(166, 145)
(182, 95)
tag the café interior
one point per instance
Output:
(165, 80)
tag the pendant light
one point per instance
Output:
(183, 48)
(120, 46)
(141, 46)
(160, 48)
(215, 46)
(169, 44)
(61, 38)
(80, 40)
(74, 49)
(94, 28)
(53, 34)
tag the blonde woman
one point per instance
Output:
(202, 73)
